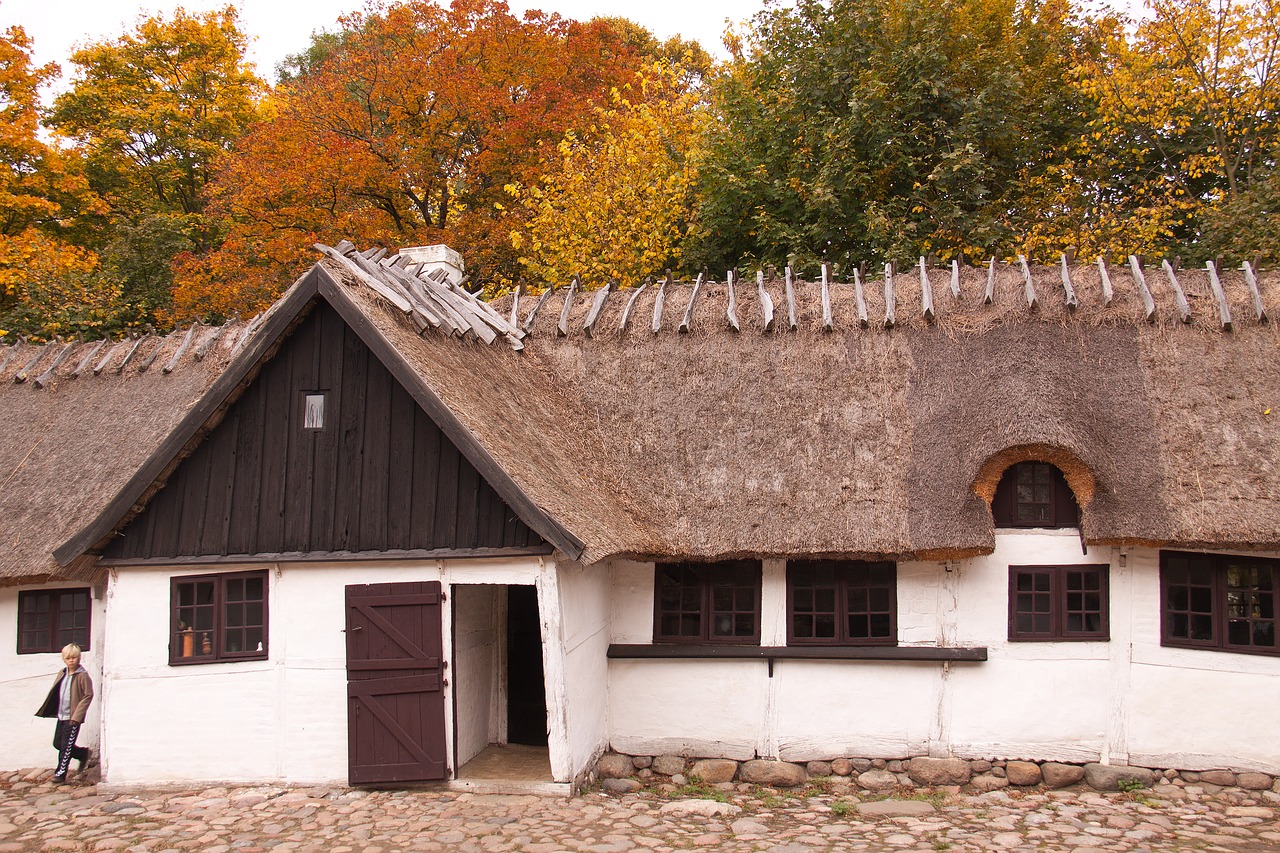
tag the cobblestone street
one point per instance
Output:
(38, 816)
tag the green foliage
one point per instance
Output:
(698, 789)
(874, 128)
(1129, 786)
(841, 808)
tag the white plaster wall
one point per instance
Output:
(1125, 700)
(25, 680)
(279, 719)
(476, 651)
(585, 610)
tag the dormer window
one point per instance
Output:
(1034, 494)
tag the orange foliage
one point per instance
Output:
(402, 130)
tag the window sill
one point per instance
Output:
(624, 651)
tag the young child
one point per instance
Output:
(68, 701)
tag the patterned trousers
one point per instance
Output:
(64, 740)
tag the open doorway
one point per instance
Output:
(500, 707)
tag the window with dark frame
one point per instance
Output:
(1034, 494)
(218, 618)
(49, 619)
(707, 602)
(1219, 601)
(1058, 603)
(842, 603)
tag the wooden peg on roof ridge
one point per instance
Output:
(1148, 302)
(527, 328)
(1107, 293)
(86, 361)
(926, 292)
(890, 301)
(687, 322)
(955, 279)
(562, 328)
(731, 313)
(766, 301)
(1184, 308)
(1251, 280)
(659, 302)
(1072, 302)
(790, 292)
(990, 296)
(827, 324)
(626, 310)
(1219, 296)
(859, 298)
(515, 304)
(43, 378)
(1033, 301)
(597, 305)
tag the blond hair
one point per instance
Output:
(71, 649)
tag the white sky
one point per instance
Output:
(283, 27)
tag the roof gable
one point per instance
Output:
(376, 478)
(274, 328)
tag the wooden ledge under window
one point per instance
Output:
(726, 651)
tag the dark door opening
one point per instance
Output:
(526, 690)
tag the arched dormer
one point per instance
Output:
(1035, 486)
(1034, 494)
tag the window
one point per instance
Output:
(707, 602)
(1219, 601)
(48, 619)
(218, 618)
(313, 411)
(1034, 494)
(1058, 603)
(841, 602)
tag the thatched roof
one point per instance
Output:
(78, 419)
(858, 441)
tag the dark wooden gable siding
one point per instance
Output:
(379, 477)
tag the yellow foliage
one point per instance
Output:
(49, 288)
(615, 202)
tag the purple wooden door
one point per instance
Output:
(395, 705)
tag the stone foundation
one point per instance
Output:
(622, 773)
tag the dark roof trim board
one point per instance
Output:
(253, 353)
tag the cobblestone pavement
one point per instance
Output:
(38, 816)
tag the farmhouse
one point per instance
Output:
(387, 533)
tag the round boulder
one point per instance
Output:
(988, 782)
(1057, 775)
(939, 771)
(1254, 781)
(1107, 777)
(714, 770)
(842, 767)
(614, 766)
(818, 768)
(877, 780)
(1022, 773)
(779, 774)
(668, 765)
(620, 786)
(1218, 777)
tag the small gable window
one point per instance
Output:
(707, 602)
(841, 603)
(313, 411)
(218, 618)
(1034, 494)
(49, 619)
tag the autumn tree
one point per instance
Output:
(47, 286)
(615, 202)
(151, 112)
(404, 128)
(1183, 124)
(860, 129)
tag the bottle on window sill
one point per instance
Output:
(206, 646)
(188, 643)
